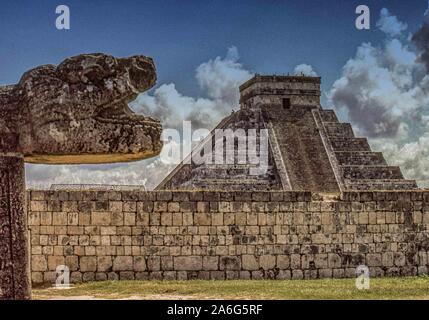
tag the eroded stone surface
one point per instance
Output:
(75, 112)
(14, 267)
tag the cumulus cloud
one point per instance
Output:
(411, 156)
(383, 88)
(421, 40)
(171, 107)
(146, 173)
(305, 69)
(390, 24)
(218, 79)
(384, 92)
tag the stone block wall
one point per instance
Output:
(226, 235)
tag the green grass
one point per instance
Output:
(382, 288)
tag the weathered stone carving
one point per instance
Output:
(75, 112)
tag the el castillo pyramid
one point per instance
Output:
(308, 148)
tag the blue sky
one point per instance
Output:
(374, 78)
(272, 36)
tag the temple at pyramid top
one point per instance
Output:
(280, 90)
(282, 139)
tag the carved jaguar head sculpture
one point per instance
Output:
(77, 112)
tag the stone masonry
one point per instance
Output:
(309, 149)
(184, 235)
(73, 113)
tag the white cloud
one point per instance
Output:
(379, 87)
(390, 24)
(411, 156)
(218, 78)
(421, 40)
(305, 69)
(136, 173)
(384, 91)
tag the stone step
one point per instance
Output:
(232, 175)
(232, 184)
(381, 184)
(247, 181)
(328, 116)
(371, 172)
(234, 154)
(350, 144)
(226, 173)
(236, 145)
(243, 151)
(228, 166)
(336, 129)
(360, 158)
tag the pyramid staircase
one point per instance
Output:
(235, 172)
(360, 167)
(308, 148)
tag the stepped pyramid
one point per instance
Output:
(308, 148)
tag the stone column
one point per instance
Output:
(15, 277)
